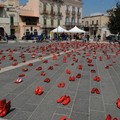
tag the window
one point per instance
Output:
(67, 7)
(44, 6)
(73, 8)
(78, 21)
(78, 9)
(73, 21)
(51, 9)
(11, 20)
(52, 22)
(97, 22)
(45, 21)
(67, 20)
(92, 22)
(58, 22)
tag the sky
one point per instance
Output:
(93, 6)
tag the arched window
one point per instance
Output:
(35, 32)
(27, 32)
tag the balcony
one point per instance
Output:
(78, 14)
(73, 12)
(67, 12)
(44, 12)
(59, 15)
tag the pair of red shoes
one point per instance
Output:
(25, 69)
(56, 64)
(68, 71)
(39, 68)
(21, 75)
(95, 90)
(109, 117)
(19, 80)
(61, 85)
(4, 107)
(64, 60)
(43, 73)
(64, 118)
(90, 64)
(93, 71)
(71, 78)
(80, 67)
(50, 68)
(38, 90)
(97, 78)
(30, 64)
(46, 61)
(47, 80)
(64, 100)
(78, 76)
(15, 63)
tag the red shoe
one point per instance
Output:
(2, 104)
(63, 118)
(46, 61)
(78, 76)
(15, 63)
(39, 68)
(93, 71)
(107, 67)
(64, 61)
(118, 103)
(80, 67)
(47, 80)
(93, 90)
(43, 73)
(97, 78)
(30, 64)
(21, 75)
(66, 100)
(25, 69)
(6, 109)
(61, 85)
(71, 78)
(108, 117)
(39, 90)
(115, 119)
(68, 71)
(50, 68)
(19, 80)
(61, 99)
(56, 64)
(97, 91)
(90, 65)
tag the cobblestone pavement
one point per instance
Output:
(84, 105)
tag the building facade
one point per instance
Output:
(42, 16)
(9, 18)
(96, 24)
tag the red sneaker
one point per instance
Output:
(108, 117)
(61, 99)
(66, 100)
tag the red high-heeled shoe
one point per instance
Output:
(78, 76)
(30, 64)
(118, 103)
(50, 68)
(47, 80)
(2, 103)
(108, 117)
(68, 71)
(71, 78)
(43, 73)
(21, 75)
(93, 90)
(38, 90)
(61, 99)
(6, 109)
(97, 91)
(80, 67)
(25, 69)
(63, 118)
(39, 68)
(66, 100)
(19, 80)
(96, 78)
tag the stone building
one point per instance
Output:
(42, 16)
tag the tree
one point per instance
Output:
(114, 19)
